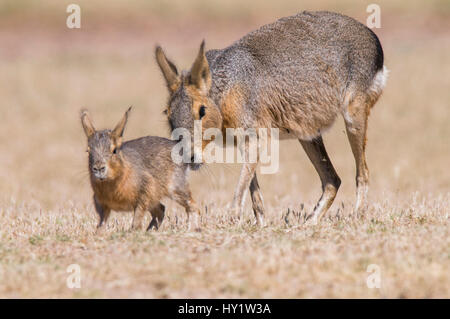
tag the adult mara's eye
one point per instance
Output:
(202, 111)
(115, 150)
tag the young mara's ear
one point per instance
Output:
(117, 133)
(89, 129)
(168, 69)
(200, 75)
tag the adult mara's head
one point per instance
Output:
(189, 94)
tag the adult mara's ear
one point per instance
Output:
(168, 69)
(89, 129)
(117, 133)
(200, 75)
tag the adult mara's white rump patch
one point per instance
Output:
(379, 81)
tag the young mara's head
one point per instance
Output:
(105, 156)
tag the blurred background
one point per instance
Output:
(48, 72)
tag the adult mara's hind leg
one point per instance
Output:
(356, 117)
(328, 176)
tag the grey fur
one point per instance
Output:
(135, 175)
(297, 74)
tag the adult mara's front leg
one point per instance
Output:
(257, 201)
(247, 173)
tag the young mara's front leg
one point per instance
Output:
(103, 214)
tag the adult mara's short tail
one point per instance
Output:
(378, 83)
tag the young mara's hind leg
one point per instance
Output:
(330, 180)
(356, 125)
(139, 213)
(257, 201)
(157, 213)
(193, 212)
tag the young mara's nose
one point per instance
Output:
(99, 171)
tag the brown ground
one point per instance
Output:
(48, 73)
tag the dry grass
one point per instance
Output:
(408, 241)
(47, 218)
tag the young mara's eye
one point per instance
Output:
(202, 111)
(115, 150)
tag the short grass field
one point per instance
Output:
(47, 219)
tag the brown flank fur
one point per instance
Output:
(135, 175)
